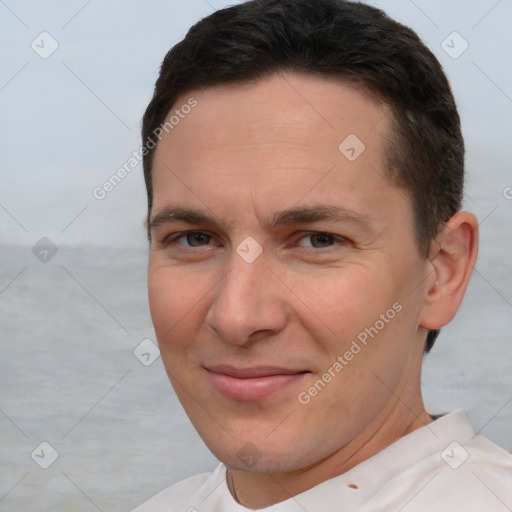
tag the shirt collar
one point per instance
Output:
(357, 485)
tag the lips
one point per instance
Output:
(252, 383)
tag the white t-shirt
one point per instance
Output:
(441, 467)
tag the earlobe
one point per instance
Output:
(453, 257)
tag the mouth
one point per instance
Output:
(252, 383)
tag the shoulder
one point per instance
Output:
(472, 476)
(183, 495)
(486, 465)
(446, 467)
(478, 457)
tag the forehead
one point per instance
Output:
(289, 107)
(275, 142)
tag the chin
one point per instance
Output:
(262, 453)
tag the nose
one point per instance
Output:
(248, 302)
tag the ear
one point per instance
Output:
(453, 257)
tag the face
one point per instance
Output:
(285, 285)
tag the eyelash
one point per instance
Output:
(172, 240)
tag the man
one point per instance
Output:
(304, 166)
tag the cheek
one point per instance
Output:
(174, 300)
(366, 318)
(344, 302)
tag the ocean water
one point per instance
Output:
(69, 378)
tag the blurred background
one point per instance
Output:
(88, 420)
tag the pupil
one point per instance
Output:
(196, 238)
(323, 239)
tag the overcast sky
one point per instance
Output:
(71, 119)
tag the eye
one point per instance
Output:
(320, 240)
(192, 239)
(312, 241)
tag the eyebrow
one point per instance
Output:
(295, 215)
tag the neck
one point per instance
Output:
(258, 490)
